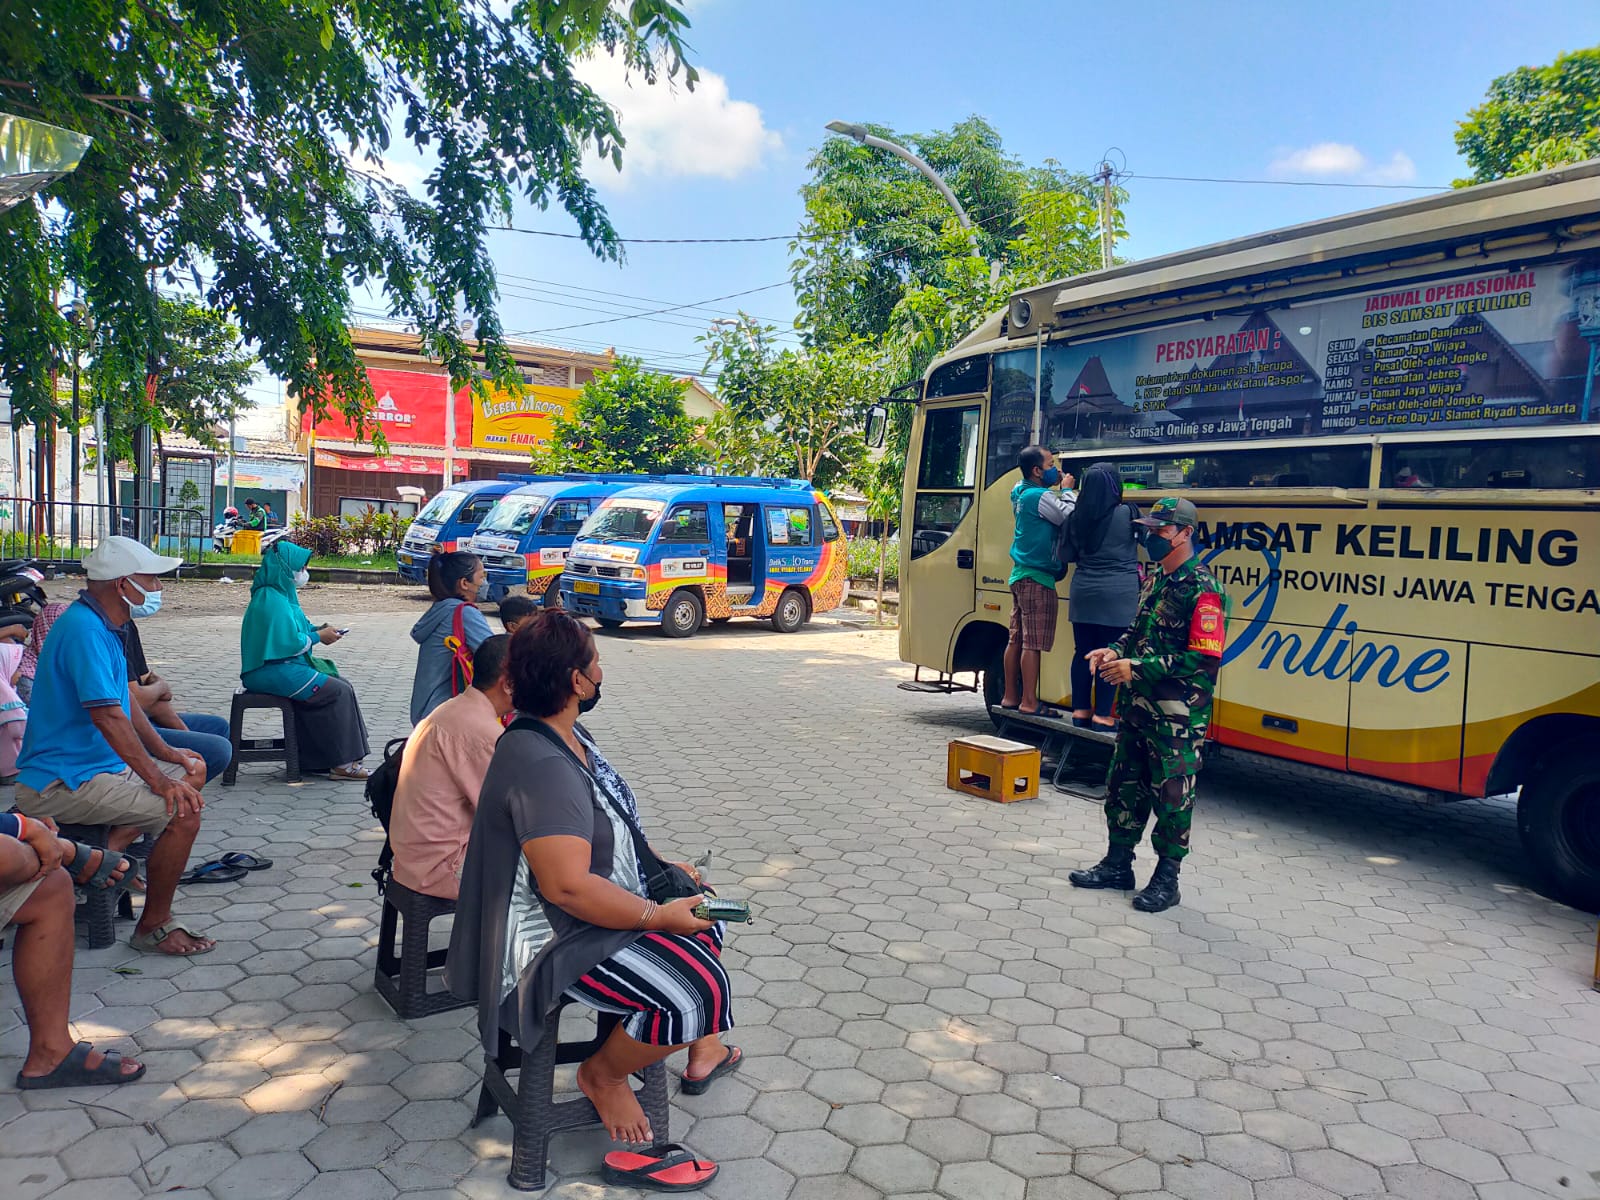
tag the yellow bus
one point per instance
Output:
(1389, 423)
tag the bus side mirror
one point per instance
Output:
(877, 426)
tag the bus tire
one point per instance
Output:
(1558, 815)
(683, 614)
(552, 599)
(609, 623)
(791, 611)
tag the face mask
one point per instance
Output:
(150, 603)
(1158, 547)
(1051, 477)
(301, 578)
(587, 705)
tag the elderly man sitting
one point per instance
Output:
(442, 773)
(91, 757)
(36, 897)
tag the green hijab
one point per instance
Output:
(275, 629)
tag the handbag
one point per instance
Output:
(460, 656)
(663, 881)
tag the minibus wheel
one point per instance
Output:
(683, 614)
(791, 612)
(1558, 815)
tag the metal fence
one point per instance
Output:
(63, 532)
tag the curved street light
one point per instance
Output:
(861, 136)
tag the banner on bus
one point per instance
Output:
(1502, 349)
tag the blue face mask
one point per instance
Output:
(1051, 476)
(149, 605)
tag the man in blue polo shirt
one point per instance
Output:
(92, 758)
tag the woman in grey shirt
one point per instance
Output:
(552, 904)
(1098, 539)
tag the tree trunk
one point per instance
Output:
(883, 553)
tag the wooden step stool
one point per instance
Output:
(994, 768)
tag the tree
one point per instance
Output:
(195, 380)
(883, 506)
(628, 419)
(1534, 118)
(239, 144)
(743, 445)
(814, 400)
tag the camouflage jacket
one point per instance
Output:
(1175, 643)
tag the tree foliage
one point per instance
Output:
(1534, 118)
(806, 407)
(627, 419)
(199, 370)
(239, 144)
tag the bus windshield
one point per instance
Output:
(620, 520)
(513, 516)
(441, 508)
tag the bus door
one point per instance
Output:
(746, 554)
(940, 522)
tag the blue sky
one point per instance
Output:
(1352, 92)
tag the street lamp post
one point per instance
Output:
(860, 134)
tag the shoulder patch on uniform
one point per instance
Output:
(1207, 627)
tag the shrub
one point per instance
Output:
(323, 536)
(863, 553)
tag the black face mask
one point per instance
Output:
(587, 704)
(1158, 547)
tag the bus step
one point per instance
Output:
(944, 685)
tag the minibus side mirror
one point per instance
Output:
(877, 426)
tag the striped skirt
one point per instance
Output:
(671, 989)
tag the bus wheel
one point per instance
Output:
(791, 613)
(683, 614)
(609, 623)
(1558, 815)
(552, 599)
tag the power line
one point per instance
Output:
(1326, 183)
(654, 312)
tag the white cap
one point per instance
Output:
(117, 557)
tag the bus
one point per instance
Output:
(1389, 423)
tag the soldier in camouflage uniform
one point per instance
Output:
(1169, 660)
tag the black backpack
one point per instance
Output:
(381, 785)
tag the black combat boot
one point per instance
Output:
(1161, 893)
(1115, 870)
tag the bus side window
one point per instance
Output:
(686, 523)
(564, 516)
(830, 530)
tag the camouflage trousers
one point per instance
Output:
(1152, 773)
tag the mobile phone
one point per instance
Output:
(714, 908)
(342, 632)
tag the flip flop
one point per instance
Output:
(698, 1086)
(213, 872)
(243, 858)
(100, 877)
(71, 1071)
(1008, 707)
(671, 1167)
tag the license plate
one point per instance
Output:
(406, 558)
(587, 586)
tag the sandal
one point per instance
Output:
(71, 1071)
(670, 1167)
(1045, 710)
(243, 858)
(100, 877)
(698, 1086)
(150, 942)
(213, 872)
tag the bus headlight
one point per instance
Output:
(637, 574)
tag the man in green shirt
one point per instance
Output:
(1169, 660)
(1040, 510)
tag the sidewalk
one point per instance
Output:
(1358, 998)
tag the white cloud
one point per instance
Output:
(1339, 159)
(672, 131)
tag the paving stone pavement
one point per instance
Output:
(1359, 997)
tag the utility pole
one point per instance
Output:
(1104, 178)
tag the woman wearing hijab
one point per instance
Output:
(1098, 539)
(275, 650)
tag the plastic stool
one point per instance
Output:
(285, 749)
(403, 980)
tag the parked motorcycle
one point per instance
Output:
(222, 533)
(21, 596)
